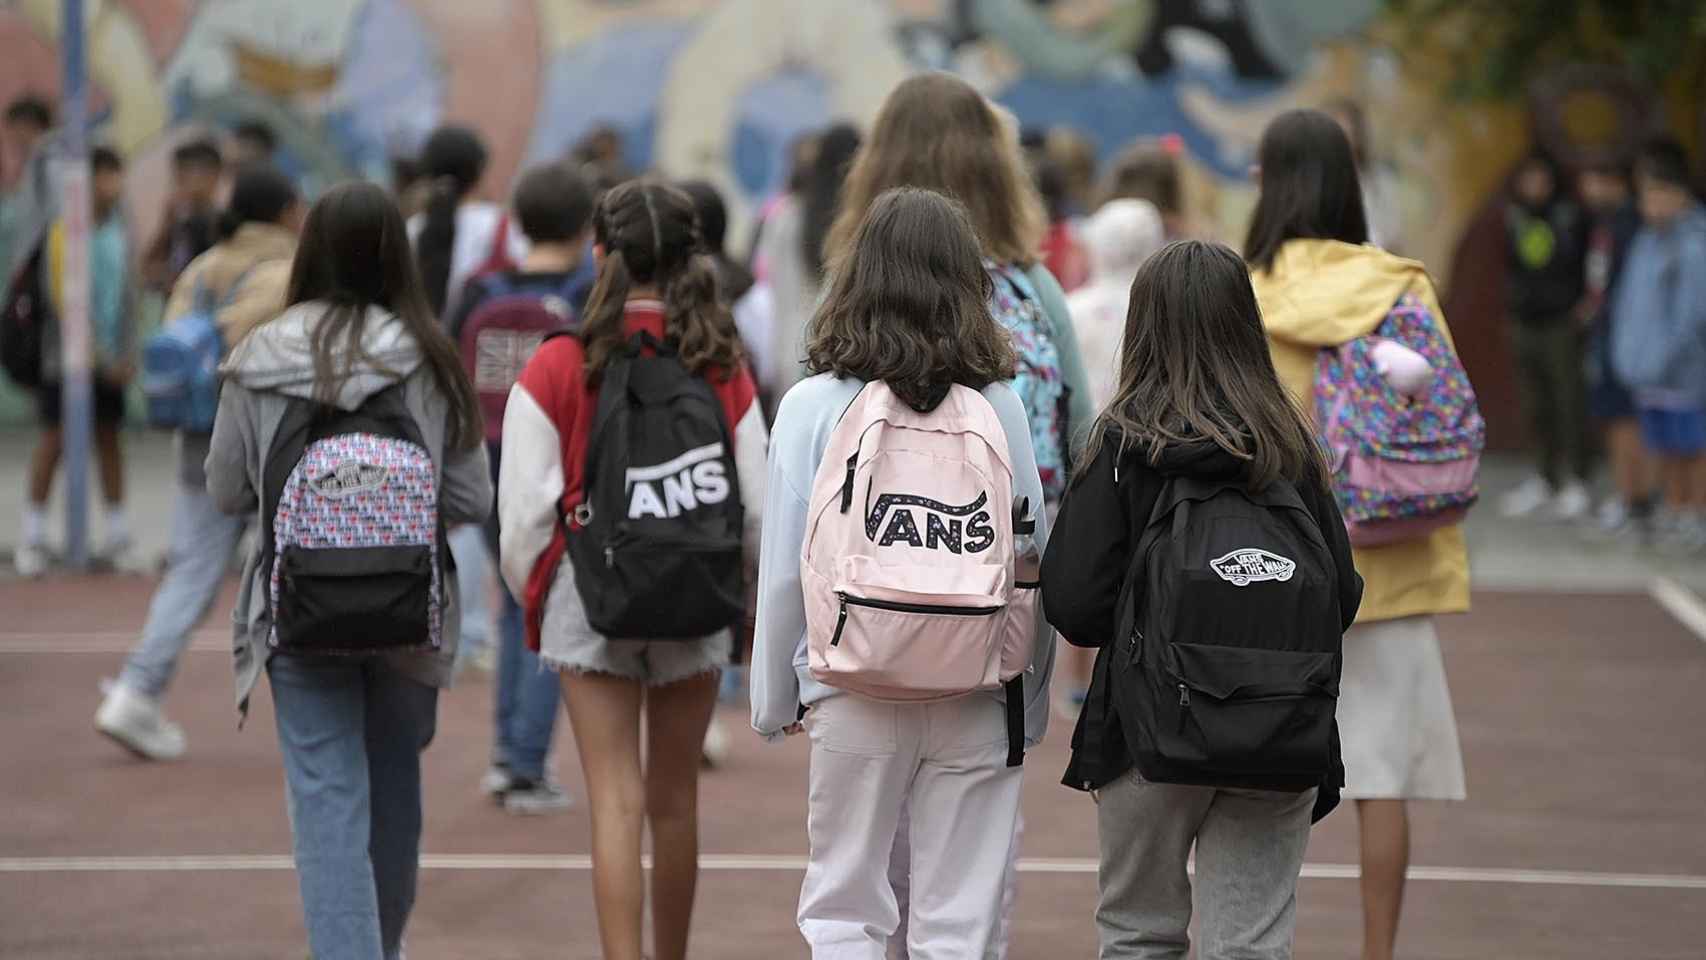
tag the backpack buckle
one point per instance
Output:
(583, 514)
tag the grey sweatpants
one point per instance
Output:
(1249, 847)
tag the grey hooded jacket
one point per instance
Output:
(274, 365)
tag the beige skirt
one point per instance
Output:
(1395, 719)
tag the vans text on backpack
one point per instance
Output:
(352, 544)
(502, 334)
(1403, 466)
(180, 363)
(1226, 671)
(656, 540)
(909, 567)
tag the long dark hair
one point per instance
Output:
(260, 194)
(649, 232)
(1194, 366)
(354, 255)
(820, 194)
(909, 304)
(1309, 187)
(452, 161)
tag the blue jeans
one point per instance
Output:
(203, 540)
(352, 732)
(527, 698)
(474, 574)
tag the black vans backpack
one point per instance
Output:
(1227, 670)
(25, 314)
(656, 540)
(352, 542)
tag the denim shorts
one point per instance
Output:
(1674, 433)
(567, 642)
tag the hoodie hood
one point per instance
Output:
(1119, 236)
(277, 357)
(1202, 459)
(1321, 293)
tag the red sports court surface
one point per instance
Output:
(1582, 718)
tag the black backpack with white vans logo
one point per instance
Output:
(1227, 669)
(656, 539)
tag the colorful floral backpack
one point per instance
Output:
(1403, 465)
(1037, 377)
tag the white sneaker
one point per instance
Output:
(1612, 515)
(135, 722)
(119, 555)
(496, 781)
(1573, 502)
(1527, 497)
(716, 749)
(535, 798)
(32, 560)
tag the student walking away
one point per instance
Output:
(1149, 170)
(1322, 288)
(629, 506)
(1201, 554)
(501, 320)
(1659, 345)
(237, 285)
(1118, 238)
(897, 605)
(1608, 195)
(1546, 235)
(935, 131)
(457, 238)
(112, 322)
(190, 224)
(351, 403)
(792, 250)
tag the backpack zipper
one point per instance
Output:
(694, 546)
(1184, 705)
(894, 607)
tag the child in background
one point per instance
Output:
(112, 331)
(1660, 339)
(1612, 222)
(1149, 170)
(1545, 237)
(190, 224)
(552, 206)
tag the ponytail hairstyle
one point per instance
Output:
(452, 162)
(650, 236)
(260, 194)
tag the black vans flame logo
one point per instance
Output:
(1248, 565)
(943, 524)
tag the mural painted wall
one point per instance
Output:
(719, 88)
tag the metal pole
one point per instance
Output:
(74, 286)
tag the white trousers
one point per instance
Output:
(900, 877)
(944, 763)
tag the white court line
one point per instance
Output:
(738, 862)
(1681, 603)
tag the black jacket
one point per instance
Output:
(1546, 251)
(1089, 549)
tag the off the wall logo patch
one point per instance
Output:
(350, 477)
(944, 526)
(1248, 565)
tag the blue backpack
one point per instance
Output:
(1037, 377)
(180, 364)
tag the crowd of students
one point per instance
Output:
(890, 454)
(1607, 321)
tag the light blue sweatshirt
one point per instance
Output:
(780, 680)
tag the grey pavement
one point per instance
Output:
(1525, 555)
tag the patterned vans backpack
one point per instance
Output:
(1402, 467)
(351, 538)
(908, 566)
(1037, 378)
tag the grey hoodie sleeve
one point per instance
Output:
(232, 450)
(467, 494)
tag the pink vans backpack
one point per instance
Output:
(908, 568)
(1403, 465)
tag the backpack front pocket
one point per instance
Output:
(354, 600)
(1241, 711)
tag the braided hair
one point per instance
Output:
(649, 232)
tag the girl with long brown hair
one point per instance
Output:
(351, 728)
(656, 285)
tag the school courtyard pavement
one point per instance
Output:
(1576, 679)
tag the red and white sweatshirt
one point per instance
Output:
(546, 428)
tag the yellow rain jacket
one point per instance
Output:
(1322, 293)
